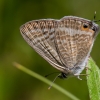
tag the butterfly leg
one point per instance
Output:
(79, 77)
(87, 68)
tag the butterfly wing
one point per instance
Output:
(74, 43)
(40, 35)
(63, 43)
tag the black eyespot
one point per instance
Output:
(93, 28)
(85, 26)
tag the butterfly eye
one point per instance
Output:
(85, 26)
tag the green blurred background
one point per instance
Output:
(16, 85)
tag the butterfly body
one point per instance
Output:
(66, 43)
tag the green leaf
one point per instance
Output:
(93, 80)
(43, 79)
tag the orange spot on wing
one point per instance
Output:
(84, 29)
(87, 30)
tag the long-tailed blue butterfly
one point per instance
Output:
(66, 43)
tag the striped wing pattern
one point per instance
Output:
(62, 43)
(40, 35)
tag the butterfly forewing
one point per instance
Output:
(40, 35)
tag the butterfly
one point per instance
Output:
(65, 44)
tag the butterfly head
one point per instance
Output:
(63, 75)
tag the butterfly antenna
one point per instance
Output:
(51, 74)
(54, 81)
